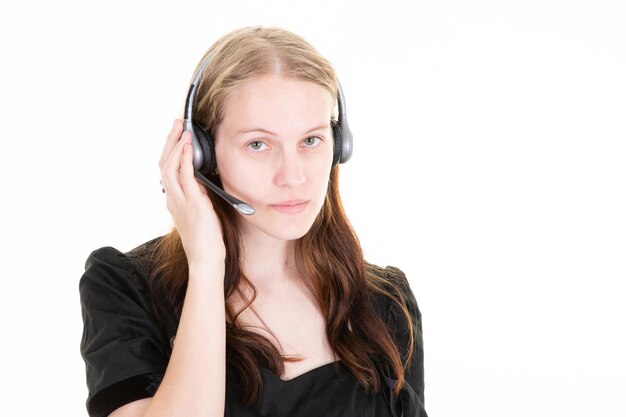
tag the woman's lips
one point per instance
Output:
(290, 207)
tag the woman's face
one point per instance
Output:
(274, 150)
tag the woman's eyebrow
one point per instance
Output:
(269, 132)
(316, 128)
(255, 129)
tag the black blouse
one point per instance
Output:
(127, 343)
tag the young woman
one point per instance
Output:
(270, 314)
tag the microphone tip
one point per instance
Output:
(244, 208)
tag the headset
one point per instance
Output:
(204, 161)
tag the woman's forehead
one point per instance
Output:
(277, 101)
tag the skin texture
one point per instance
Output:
(284, 158)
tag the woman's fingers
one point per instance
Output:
(170, 170)
(190, 185)
(172, 139)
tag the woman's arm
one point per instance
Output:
(194, 383)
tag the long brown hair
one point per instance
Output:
(329, 255)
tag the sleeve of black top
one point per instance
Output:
(120, 345)
(414, 375)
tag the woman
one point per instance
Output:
(270, 314)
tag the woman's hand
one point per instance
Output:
(188, 203)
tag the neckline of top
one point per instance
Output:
(305, 375)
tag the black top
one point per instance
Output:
(126, 346)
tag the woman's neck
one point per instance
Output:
(269, 263)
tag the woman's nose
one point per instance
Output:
(290, 170)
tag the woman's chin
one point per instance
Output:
(278, 228)
(289, 232)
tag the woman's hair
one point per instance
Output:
(328, 256)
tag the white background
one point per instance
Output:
(488, 165)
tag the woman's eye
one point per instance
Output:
(257, 145)
(312, 141)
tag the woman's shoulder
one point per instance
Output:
(106, 265)
(389, 281)
(393, 296)
(109, 268)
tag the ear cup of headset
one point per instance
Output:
(337, 139)
(342, 134)
(342, 137)
(209, 164)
